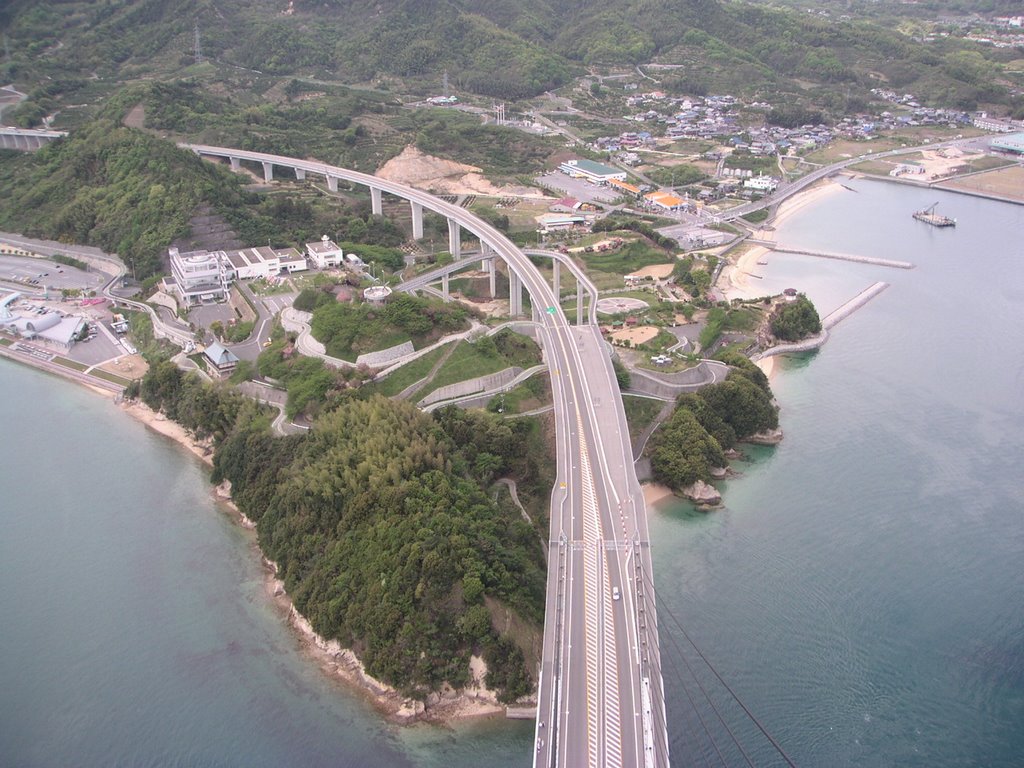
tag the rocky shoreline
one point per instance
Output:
(442, 707)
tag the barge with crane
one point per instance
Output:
(929, 216)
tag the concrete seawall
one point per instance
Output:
(858, 301)
(830, 321)
(841, 256)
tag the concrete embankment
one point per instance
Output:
(853, 305)
(46, 364)
(841, 256)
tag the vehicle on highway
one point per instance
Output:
(615, 593)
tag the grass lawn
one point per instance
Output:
(530, 395)
(5, 342)
(988, 162)
(607, 269)
(466, 362)
(409, 373)
(744, 319)
(72, 364)
(486, 355)
(873, 167)
(650, 297)
(640, 412)
(109, 377)
(844, 149)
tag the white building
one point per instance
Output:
(325, 253)
(986, 123)
(199, 276)
(761, 184)
(51, 327)
(251, 263)
(292, 261)
(591, 171)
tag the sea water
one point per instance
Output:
(135, 627)
(861, 591)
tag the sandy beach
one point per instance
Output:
(735, 280)
(655, 494)
(160, 423)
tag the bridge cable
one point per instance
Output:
(659, 714)
(692, 732)
(696, 711)
(760, 727)
(710, 701)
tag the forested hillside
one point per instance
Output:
(381, 524)
(498, 48)
(116, 188)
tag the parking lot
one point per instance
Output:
(206, 314)
(278, 302)
(37, 274)
(582, 190)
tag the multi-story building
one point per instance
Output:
(199, 276)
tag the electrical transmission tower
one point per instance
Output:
(197, 48)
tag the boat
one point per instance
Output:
(929, 216)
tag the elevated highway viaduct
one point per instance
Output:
(600, 692)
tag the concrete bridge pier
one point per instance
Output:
(558, 279)
(375, 201)
(454, 239)
(332, 183)
(579, 303)
(492, 276)
(5, 141)
(236, 164)
(444, 285)
(300, 174)
(268, 171)
(417, 220)
(515, 294)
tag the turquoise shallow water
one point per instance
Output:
(862, 590)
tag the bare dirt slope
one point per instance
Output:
(447, 177)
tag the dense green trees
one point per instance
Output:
(387, 542)
(206, 410)
(795, 320)
(120, 189)
(704, 423)
(500, 49)
(379, 521)
(349, 330)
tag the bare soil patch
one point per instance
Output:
(1006, 182)
(436, 174)
(638, 335)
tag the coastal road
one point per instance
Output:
(788, 190)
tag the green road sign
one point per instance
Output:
(551, 310)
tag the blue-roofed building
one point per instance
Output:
(1013, 142)
(222, 359)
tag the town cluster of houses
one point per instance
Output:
(199, 277)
